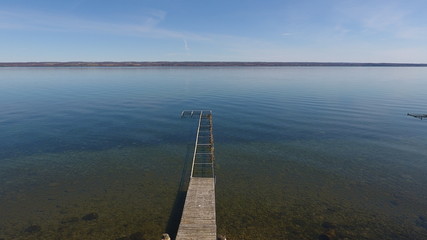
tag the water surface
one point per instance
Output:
(300, 151)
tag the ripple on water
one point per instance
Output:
(298, 150)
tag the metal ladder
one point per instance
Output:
(203, 157)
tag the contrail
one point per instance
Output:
(186, 45)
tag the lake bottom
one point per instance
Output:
(265, 190)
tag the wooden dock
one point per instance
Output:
(198, 220)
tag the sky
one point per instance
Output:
(214, 30)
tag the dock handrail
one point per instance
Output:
(202, 145)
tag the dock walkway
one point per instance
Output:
(198, 221)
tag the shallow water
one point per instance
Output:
(300, 151)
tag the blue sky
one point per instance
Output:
(220, 30)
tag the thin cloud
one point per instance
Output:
(413, 33)
(186, 45)
(341, 30)
(394, 18)
(286, 34)
(40, 21)
(385, 18)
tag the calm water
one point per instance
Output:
(299, 151)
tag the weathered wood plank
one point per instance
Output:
(198, 221)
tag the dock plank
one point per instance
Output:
(198, 221)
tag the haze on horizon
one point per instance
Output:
(190, 30)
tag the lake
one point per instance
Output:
(102, 153)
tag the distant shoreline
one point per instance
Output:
(206, 64)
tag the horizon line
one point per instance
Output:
(195, 63)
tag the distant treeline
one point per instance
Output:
(206, 64)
